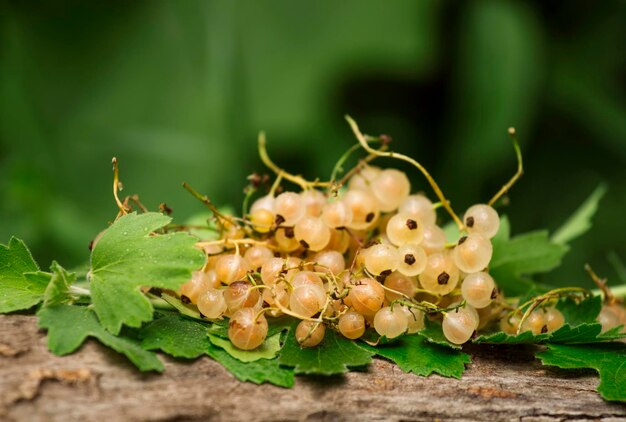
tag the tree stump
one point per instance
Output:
(502, 383)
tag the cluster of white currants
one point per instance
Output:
(370, 255)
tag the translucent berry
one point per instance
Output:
(286, 241)
(366, 296)
(257, 255)
(330, 262)
(365, 211)
(472, 253)
(412, 259)
(199, 283)
(262, 220)
(314, 201)
(400, 283)
(415, 319)
(478, 289)
(390, 322)
(307, 300)
(391, 188)
(434, 239)
(312, 233)
(306, 277)
(231, 268)
(351, 325)
(459, 325)
(211, 303)
(381, 258)
(337, 214)
(441, 275)
(482, 219)
(246, 330)
(309, 333)
(420, 208)
(289, 208)
(535, 322)
(240, 294)
(554, 319)
(403, 229)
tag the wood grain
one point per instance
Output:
(96, 384)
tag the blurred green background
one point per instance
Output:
(178, 90)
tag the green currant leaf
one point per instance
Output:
(181, 337)
(580, 327)
(176, 335)
(609, 359)
(22, 285)
(268, 350)
(523, 255)
(58, 289)
(190, 311)
(579, 222)
(258, 372)
(69, 326)
(128, 256)
(414, 353)
(334, 355)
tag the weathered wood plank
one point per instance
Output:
(97, 384)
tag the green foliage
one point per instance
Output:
(580, 327)
(128, 256)
(184, 338)
(413, 353)
(69, 326)
(335, 355)
(579, 222)
(22, 286)
(607, 358)
(521, 256)
(175, 335)
(268, 350)
(58, 290)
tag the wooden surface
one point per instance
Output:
(98, 384)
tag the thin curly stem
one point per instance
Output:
(446, 204)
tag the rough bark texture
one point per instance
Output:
(98, 384)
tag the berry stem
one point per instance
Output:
(518, 173)
(607, 293)
(363, 141)
(206, 201)
(296, 179)
(117, 186)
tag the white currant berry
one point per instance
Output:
(403, 229)
(482, 219)
(419, 207)
(366, 296)
(330, 262)
(459, 325)
(337, 214)
(401, 283)
(390, 322)
(307, 300)
(412, 259)
(441, 275)
(246, 330)
(472, 253)
(391, 188)
(314, 201)
(381, 258)
(211, 303)
(434, 239)
(312, 233)
(478, 289)
(289, 208)
(309, 333)
(365, 211)
(351, 325)
(257, 255)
